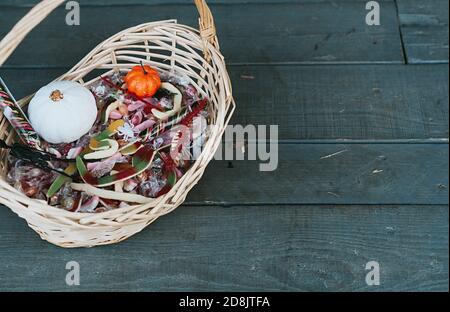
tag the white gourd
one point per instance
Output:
(62, 112)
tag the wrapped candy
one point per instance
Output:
(89, 204)
(108, 204)
(130, 185)
(176, 77)
(166, 103)
(102, 209)
(101, 168)
(157, 164)
(30, 180)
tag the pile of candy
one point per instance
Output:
(138, 148)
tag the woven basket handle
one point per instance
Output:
(45, 7)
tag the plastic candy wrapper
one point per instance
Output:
(176, 77)
(32, 181)
(99, 169)
(17, 118)
(105, 92)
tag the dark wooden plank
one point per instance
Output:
(290, 248)
(309, 173)
(425, 30)
(333, 174)
(324, 102)
(328, 32)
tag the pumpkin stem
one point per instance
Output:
(143, 68)
(56, 96)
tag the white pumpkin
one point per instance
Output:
(62, 112)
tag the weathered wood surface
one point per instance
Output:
(333, 174)
(363, 168)
(425, 30)
(330, 32)
(324, 102)
(291, 248)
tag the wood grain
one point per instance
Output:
(159, 2)
(266, 248)
(323, 102)
(425, 30)
(325, 32)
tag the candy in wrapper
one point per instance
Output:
(17, 118)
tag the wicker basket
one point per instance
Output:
(165, 45)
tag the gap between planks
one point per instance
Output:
(208, 203)
(152, 3)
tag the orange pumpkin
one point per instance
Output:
(143, 81)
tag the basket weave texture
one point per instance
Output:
(165, 45)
